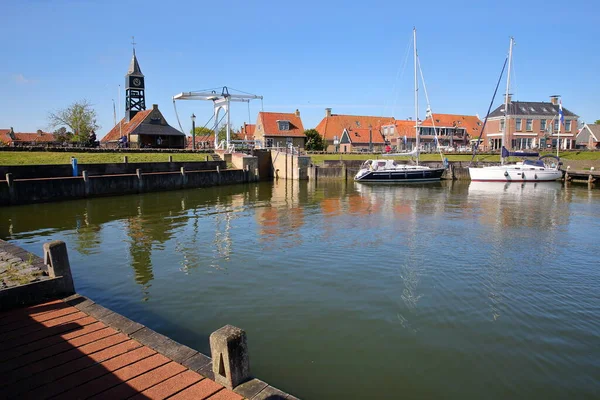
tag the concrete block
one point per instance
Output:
(251, 388)
(197, 362)
(57, 260)
(270, 393)
(164, 345)
(229, 349)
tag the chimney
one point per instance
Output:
(554, 99)
(297, 113)
(39, 132)
(327, 112)
(11, 133)
(509, 98)
(155, 106)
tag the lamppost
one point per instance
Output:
(370, 138)
(193, 131)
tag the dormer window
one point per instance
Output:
(284, 125)
(357, 123)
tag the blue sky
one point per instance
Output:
(309, 55)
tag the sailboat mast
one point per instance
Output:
(506, 118)
(416, 94)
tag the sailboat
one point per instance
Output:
(388, 171)
(546, 168)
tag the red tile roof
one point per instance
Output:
(247, 131)
(405, 127)
(39, 137)
(271, 128)
(125, 127)
(335, 124)
(471, 123)
(361, 136)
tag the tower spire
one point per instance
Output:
(133, 43)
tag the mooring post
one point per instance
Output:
(170, 158)
(125, 160)
(206, 159)
(138, 172)
(9, 180)
(229, 350)
(57, 260)
(183, 176)
(11, 188)
(256, 177)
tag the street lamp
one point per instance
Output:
(193, 132)
(370, 138)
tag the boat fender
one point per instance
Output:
(535, 176)
(505, 173)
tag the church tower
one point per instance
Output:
(134, 89)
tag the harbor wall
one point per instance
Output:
(38, 190)
(66, 170)
(289, 166)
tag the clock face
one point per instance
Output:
(137, 82)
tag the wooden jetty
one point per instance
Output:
(589, 176)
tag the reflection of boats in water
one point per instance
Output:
(515, 188)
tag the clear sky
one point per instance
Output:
(347, 55)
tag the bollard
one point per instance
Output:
(229, 350)
(57, 260)
(74, 165)
(170, 158)
(138, 172)
(125, 159)
(206, 158)
(9, 180)
(182, 170)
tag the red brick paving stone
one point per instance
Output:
(21, 313)
(40, 344)
(142, 382)
(35, 319)
(116, 377)
(225, 394)
(89, 374)
(73, 367)
(201, 390)
(170, 386)
(41, 325)
(62, 358)
(52, 350)
(38, 335)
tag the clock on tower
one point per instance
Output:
(134, 89)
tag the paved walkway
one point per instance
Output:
(56, 350)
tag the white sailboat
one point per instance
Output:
(388, 171)
(546, 168)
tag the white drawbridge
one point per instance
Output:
(221, 101)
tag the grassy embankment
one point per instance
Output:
(37, 158)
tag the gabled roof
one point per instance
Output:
(336, 123)
(361, 136)
(471, 123)
(271, 127)
(405, 128)
(147, 122)
(134, 67)
(593, 129)
(533, 108)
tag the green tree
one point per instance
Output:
(202, 131)
(314, 141)
(597, 122)
(79, 117)
(62, 135)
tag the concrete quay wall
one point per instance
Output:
(65, 170)
(38, 190)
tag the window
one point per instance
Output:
(568, 126)
(518, 123)
(556, 125)
(529, 124)
(284, 125)
(502, 125)
(269, 142)
(542, 125)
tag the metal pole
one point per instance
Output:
(506, 115)
(370, 139)
(417, 141)
(193, 132)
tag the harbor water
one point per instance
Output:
(443, 290)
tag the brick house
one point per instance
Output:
(280, 129)
(454, 131)
(589, 136)
(333, 126)
(247, 131)
(532, 125)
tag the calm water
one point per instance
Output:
(350, 291)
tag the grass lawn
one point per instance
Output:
(37, 158)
